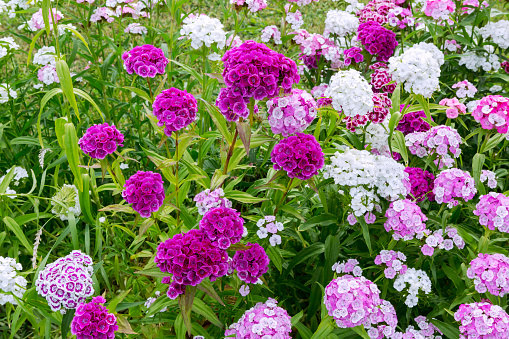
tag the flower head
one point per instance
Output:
(174, 109)
(145, 191)
(145, 61)
(92, 320)
(101, 140)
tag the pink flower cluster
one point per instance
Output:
(400, 17)
(350, 266)
(505, 66)
(440, 10)
(482, 320)
(300, 156)
(100, 140)
(103, 13)
(442, 241)
(145, 61)
(351, 301)
(252, 5)
(493, 112)
(465, 89)
(48, 74)
(394, 261)
(413, 122)
(264, 320)
(291, 114)
(454, 184)
(381, 78)
(318, 93)
(353, 53)
(493, 211)
(317, 45)
(381, 103)
(251, 264)
(452, 45)
(174, 109)
(92, 320)
(377, 10)
(369, 217)
(377, 40)
(405, 219)
(223, 226)
(490, 177)
(36, 22)
(490, 273)
(426, 330)
(190, 258)
(383, 321)
(421, 182)
(474, 4)
(207, 200)
(232, 105)
(455, 107)
(145, 191)
(66, 282)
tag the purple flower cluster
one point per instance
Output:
(190, 258)
(421, 182)
(493, 211)
(145, 191)
(482, 320)
(353, 53)
(233, 105)
(413, 122)
(264, 320)
(351, 300)
(251, 264)
(318, 94)
(383, 321)
(377, 40)
(66, 282)
(291, 114)
(207, 200)
(223, 226)
(311, 61)
(454, 184)
(145, 61)
(406, 219)
(426, 330)
(443, 241)
(100, 140)
(505, 66)
(493, 112)
(174, 109)
(393, 260)
(254, 70)
(92, 320)
(381, 78)
(490, 273)
(300, 156)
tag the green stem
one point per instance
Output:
(177, 175)
(230, 150)
(284, 196)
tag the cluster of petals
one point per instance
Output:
(145, 191)
(223, 226)
(455, 107)
(207, 200)
(394, 260)
(92, 320)
(482, 320)
(252, 5)
(293, 18)
(490, 273)
(452, 185)
(376, 10)
(405, 219)
(505, 66)
(381, 106)
(444, 241)
(475, 60)
(136, 28)
(101, 13)
(493, 211)
(11, 283)
(36, 22)
(271, 32)
(251, 263)
(353, 53)
(100, 140)
(426, 330)
(381, 78)
(268, 224)
(416, 280)
(174, 109)
(440, 10)
(316, 45)
(318, 93)
(489, 177)
(493, 112)
(340, 23)
(383, 321)
(48, 75)
(473, 5)
(203, 30)
(422, 183)
(7, 45)
(413, 122)
(400, 17)
(498, 32)
(233, 105)
(145, 61)
(349, 266)
(377, 40)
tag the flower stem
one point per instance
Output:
(284, 195)
(177, 175)
(150, 88)
(230, 150)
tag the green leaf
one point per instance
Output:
(220, 121)
(306, 255)
(141, 93)
(207, 287)
(32, 45)
(492, 142)
(72, 152)
(477, 165)
(123, 325)
(324, 329)
(365, 232)
(7, 180)
(204, 310)
(46, 15)
(244, 130)
(189, 70)
(18, 232)
(87, 97)
(185, 302)
(361, 331)
(323, 219)
(292, 211)
(66, 322)
(66, 84)
(399, 141)
(78, 35)
(50, 94)
(243, 197)
(448, 330)
(296, 318)
(74, 231)
(275, 257)
(112, 306)
(425, 107)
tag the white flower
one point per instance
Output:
(7, 44)
(244, 290)
(340, 23)
(123, 166)
(11, 284)
(498, 31)
(7, 92)
(275, 240)
(203, 30)
(271, 32)
(474, 61)
(495, 88)
(350, 93)
(136, 28)
(45, 55)
(262, 233)
(102, 219)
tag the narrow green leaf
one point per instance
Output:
(139, 92)
(450, 331)
(7, 180)
(220, 121)
(243, 197)
(50, 94)
(204, 310)
(66, 84)
(112, 306)
(323, 219)
(72, 152)
(307, 254)
(66, 322)
(275, 257)
(365, 232)
(18, 232)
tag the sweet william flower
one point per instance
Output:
(145, 191)
(146, 61)
(100, 140)
(251, 263)
(174, 109)
(92, 320)
(223, 226)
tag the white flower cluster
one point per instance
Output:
(66, 201)
(270, 225)
(350, 93)
(6, 45)
(294, 19)
(378, 137)
(438, 55)
(490, 177)
(495, 88)
(417, 280)
(369, 176)
(203, 30)
(418, 69)
(19, 174)
(136, 28)
(12, 6)
(340, 23)
(349, 266)
(7, 92)
(11, 284)
(45, 55)
(474, 61)
(271, 32)
(498, 31)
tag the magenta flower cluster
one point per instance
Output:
(145, 191)
(251, 264)
(300, 156)
(455, 107)
(383, 321)
(353, 54)
(413, 122)
(381, 78)
(291, 114)
(207, 200)
(505, 66)
(493, 211)
(100, 140)
(452, 185)
(66, 282)
(223, 226)
(393, 260)
(351, 301)
(92, 320)
(190, 258)
(482, 320)
(233, 105)
(264, 320)
(174, 109)
(490, 273)
(405, 219)
(377, 40)
(493, 112)
(444, 241)
(318, 94)
(377, 10)
(311, 61)
(145, 61)
(422, 183)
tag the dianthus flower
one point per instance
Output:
(252, 5)
(381, 78)
(48, 75)
(100, 140)
(271, 32)
(203, 30)
(293, 18)
(377, 136)
(413, 122)
(505, 66)
(498, 31)
(400, 17)
(136, 28)
(455, 107)
(474, 4)
(66, 200)
(11, 283)
(439, 239)
(353, 53)
(426, 330)
(251, 264)
(318, 94)
(381, 106)
(376, 10)
(207, 200)
(350, 266)
(454, 184)
(66, 282)
(92, 320)
(145, 191)
(340, 23)
(351, 301)
(37, 21)
(315, 46)
(45, 55)
(493, 112)
(232, 105)
(223, 226)
(377, 40)
(452, 46)
(493, 211)
(268, 225)
(405, 219)
(254, 70)
(440, 10)
(490, 177)
(350, 93)
(300, 156)
(383, 321)
(145, 61)
(490, 273)
(190, 258)
(264, 320)
(103, 13)
(291, 114)
(174, 109)
(302, 2)
(417, 280)
(488, 61)
(394, 261)
(482, 320)
(7, 45)
(421, 184)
